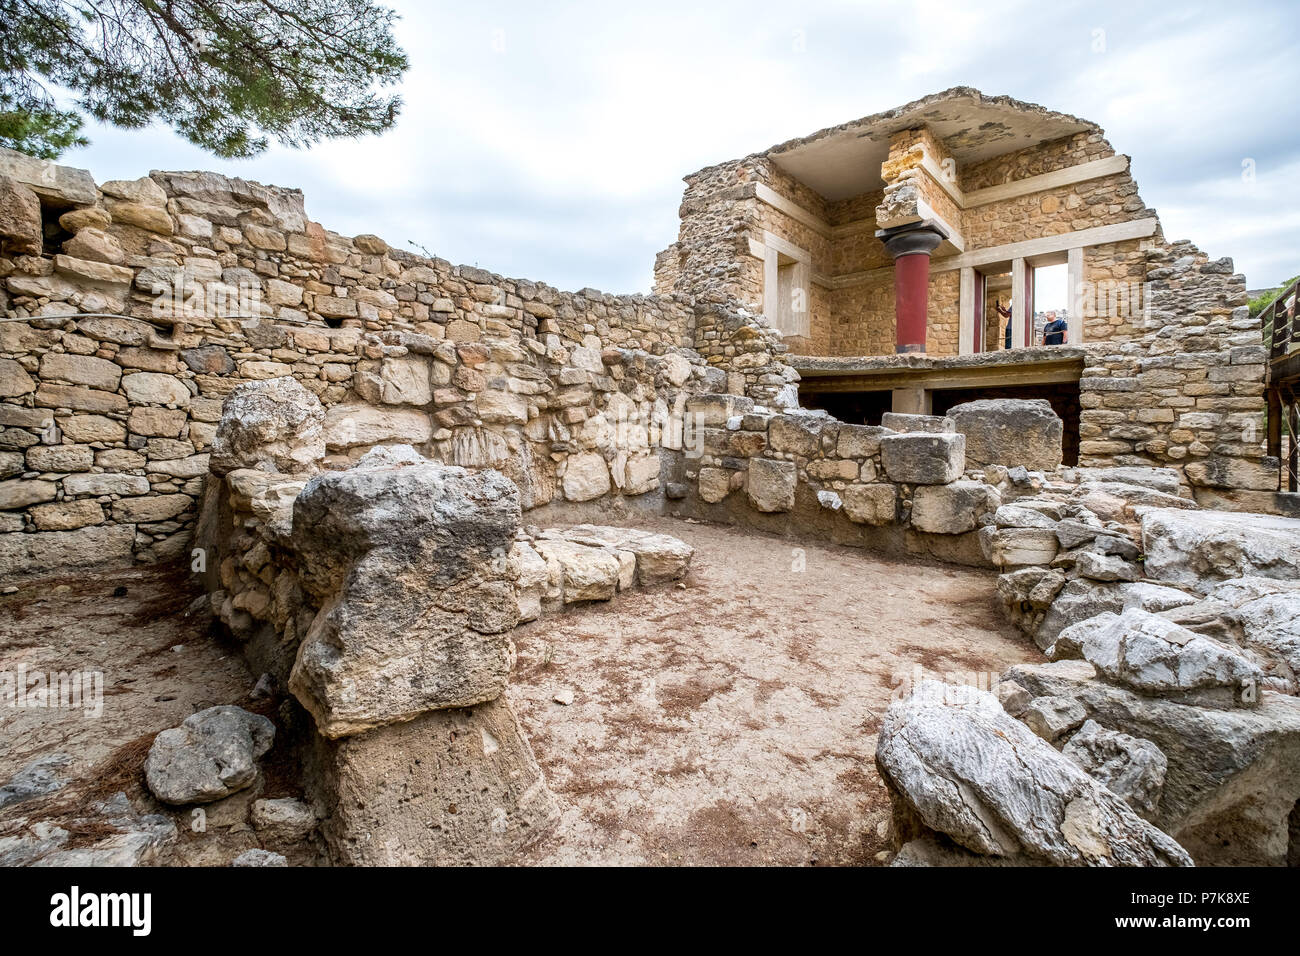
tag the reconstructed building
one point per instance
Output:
(881, 249)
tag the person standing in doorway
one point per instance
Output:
(1006, 314)
(1057, 330)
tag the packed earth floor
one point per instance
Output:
(728, 719)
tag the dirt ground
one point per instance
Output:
(733, 720)
(730, 719)
(159, 664)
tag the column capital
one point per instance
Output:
(912, 239)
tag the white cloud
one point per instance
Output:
(549, 141)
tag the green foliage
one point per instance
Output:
(1264, 298)
(228, 75)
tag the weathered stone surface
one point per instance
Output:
(276, 425)
(106, 484)
(284, 820)
(353, 426)
(899, 422)
(67, 515)
(586, 477)
(586, 573)
(151, 508)
(60, 458)
(1017, 547)
(1022, 516)
(875, 504)
(416, 608)
(20, 219)
(1165, 480)
(659, 557)
(1128, 766)
(1050, 717)
(1200, 548)
(1010, 431)
(1266, 611)
(958, 764)
(771, 484)
(920, 458)
(211, 755)
(451, 787)
(954, 508)
(1233, 775)
(1153, 655)
(859, 441)
(1082, 599)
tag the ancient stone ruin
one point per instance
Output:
(387, 494)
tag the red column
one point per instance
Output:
(911, 246)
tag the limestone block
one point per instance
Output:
(920, 458)
(771, 484)
(714, 484)
(875, 504)
(276, 425)
(449, 788)
(659, 557)
(588, 573)
(1009, 431)
(21, 492)
(406, 559)
(900, 422)
(73, 550)
(20, 218)
(1017, 547)
(859, 441)
(155, 388)
(954, 508)
(351, 426)
(586, 477)
(954, 760)
(211, 755)
(1200, 548)
(14, 380)
(106, 484)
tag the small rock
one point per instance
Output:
(259, 858)
(211, 755)
(564, 696)
(1051, 717)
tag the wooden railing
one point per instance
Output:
(1281, 321)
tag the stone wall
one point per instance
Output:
(183, 285)
(1185, 388)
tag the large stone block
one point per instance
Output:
(276, 425)
(51, 552)
(450, 788)
(921, 458)
(1018, 547)
(586, 477)
(954, 508)
(875, 504)
(1200, 548)
(352, 426)
(1010, 431)
(20, 219)
(771, 484)
(406, 559)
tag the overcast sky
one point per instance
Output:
(548, 141)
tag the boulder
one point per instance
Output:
(1164, 480)
(1010, 431)
(1233, 775)
(211, 755)
(953, 508)
(1152, 655)
(771, 484)
(1082, 599)
(1128, 766)
(921, 458)
(1105, 567)
(272, 425)
(1202, 548)
(404, 558)
(1266, 613)
(956, 763)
